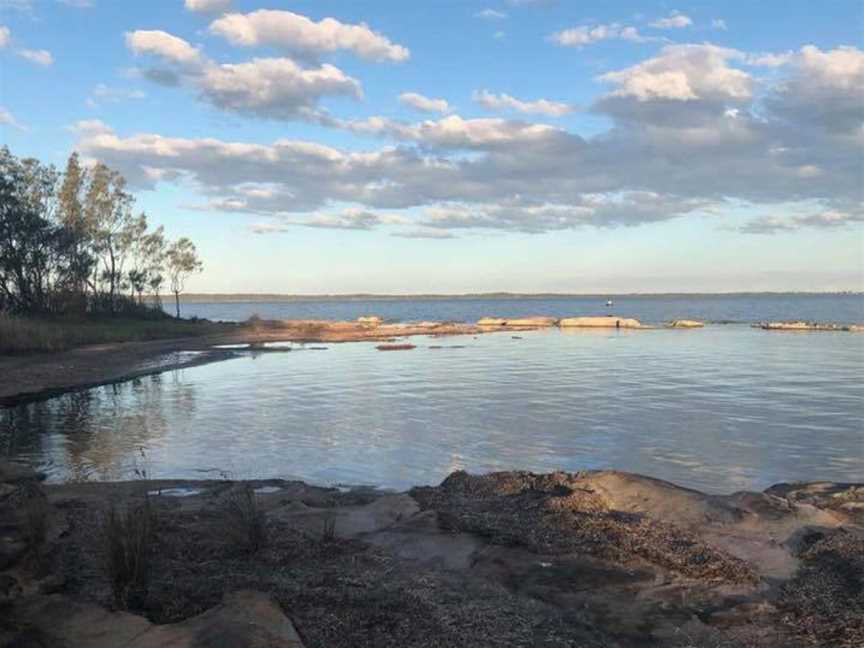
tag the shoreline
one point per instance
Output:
(34, 377)
(594, 558)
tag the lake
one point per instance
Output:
(837, 308)
(723, 408)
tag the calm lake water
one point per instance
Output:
(844, 309)
(719, 409)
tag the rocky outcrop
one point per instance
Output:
(601, 321)
(245, 619)
(594, 558)
(517, 322)
(686, 324)
(370, 320)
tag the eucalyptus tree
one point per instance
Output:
(181, 262)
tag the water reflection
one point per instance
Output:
(719, 409)
(99, 434)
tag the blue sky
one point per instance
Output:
(463, 146)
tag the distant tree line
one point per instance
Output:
(71, 242)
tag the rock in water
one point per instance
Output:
(601, 321)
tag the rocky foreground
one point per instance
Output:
(598, 558)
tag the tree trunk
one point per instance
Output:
(177, 302)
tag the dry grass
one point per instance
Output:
(128, 538)
(245, 523)
(32, 335)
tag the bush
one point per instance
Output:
(128, 537)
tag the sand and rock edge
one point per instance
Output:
(597, 558)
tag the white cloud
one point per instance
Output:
(208, 6)
(491, 14)
(719, 23)
(5, 36)
(164, 45)
(273, 88)
(39, 57)
(690, 130)
(506, 102)
(298, 34)
(582, 36)
(675, 20)
(7, 119)
(424, 104)
(77, 4)
(683, 73)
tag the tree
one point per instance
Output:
(35, 253)
(107, 213)
(181, 262)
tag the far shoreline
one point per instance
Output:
(240, 298)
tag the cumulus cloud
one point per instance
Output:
(492, 101)
(684, 73)
(300, 35)
(690, 130)
(452, 132)
(424, 104)
(581, 36)
(675, 20)
(39, 57)
(208, 6)
(823, 91)
(274, 88)
(163, 45)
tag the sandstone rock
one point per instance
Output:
(491, 321)
(600, 321)
(351, 521)
(245, 619)
(686, 324)
(370, 320)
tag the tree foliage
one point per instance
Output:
(71, 242)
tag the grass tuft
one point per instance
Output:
(245, 523)
(128, 536)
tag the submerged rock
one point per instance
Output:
(518, 322)
(600, 321)
(802, 326)
(683, 323)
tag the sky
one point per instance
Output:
(446, 146)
